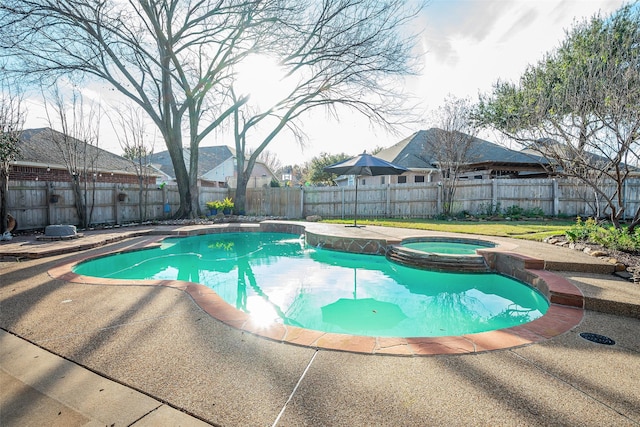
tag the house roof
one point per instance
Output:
(38, 146)
(208, 158)
(211, 157)
(554, 151)
(417, 152)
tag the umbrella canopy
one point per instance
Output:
(364, 164)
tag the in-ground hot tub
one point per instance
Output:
(441, 254)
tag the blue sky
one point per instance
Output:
(467, 45)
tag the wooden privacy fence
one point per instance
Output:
(424, 200)
(36, 204)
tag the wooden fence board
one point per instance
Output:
(29, 201)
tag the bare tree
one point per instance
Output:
(450, 149)
(133, 138)
(579, 107)
(176, 59)
(270, 159)
(11, 121)
(343, 55)
(171, 57)
(78, 145)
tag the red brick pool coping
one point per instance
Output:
(565, 312)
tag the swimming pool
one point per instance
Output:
(277, 278)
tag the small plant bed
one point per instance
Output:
(603, 240)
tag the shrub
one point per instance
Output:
(514, 212)
(533, 212)
(610, 237)
(489, 209)
(616, 238)
(581, 229)
(462, 214)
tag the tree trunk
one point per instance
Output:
(634, 222)
(241, 193)
(77, 200)
(4, 192)
(195, 196)
(184, 189)
(140, 201)
(173, 141)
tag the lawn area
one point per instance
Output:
(528, 230)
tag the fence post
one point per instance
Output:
(116, 205)
(494, 194)
(556, 197)
(343, 202)
(301, 202)
(388, 207)
(48, 194)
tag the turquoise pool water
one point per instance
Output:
(277, 278)
(444, 247)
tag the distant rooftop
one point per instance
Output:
(39, 146)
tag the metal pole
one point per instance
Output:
(355, 217)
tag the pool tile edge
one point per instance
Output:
(559, 319)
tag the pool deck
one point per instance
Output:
(74, 352)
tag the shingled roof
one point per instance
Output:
(208, 158)
(38, 146)
(416, 152)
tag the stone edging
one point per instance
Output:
(564, 313)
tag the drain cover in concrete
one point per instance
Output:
(600, 339)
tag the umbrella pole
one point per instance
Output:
(355, 283)
(355, 216)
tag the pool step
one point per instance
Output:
(436, 262)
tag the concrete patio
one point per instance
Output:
(96, 354)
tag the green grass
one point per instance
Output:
(527, 230)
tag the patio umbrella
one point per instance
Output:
(364, 164)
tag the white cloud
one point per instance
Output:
(469, 44)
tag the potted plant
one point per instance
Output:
(226, 206)
(213, 207)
